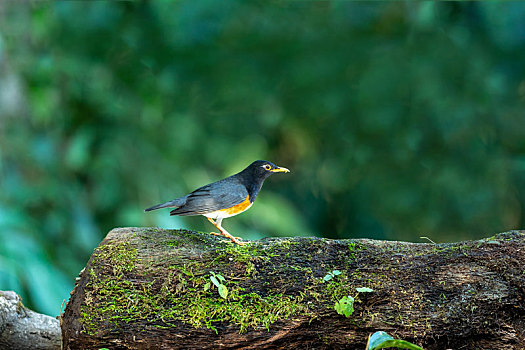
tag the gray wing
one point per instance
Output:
(216, 196)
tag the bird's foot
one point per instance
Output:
(221, 235)
(236, 240)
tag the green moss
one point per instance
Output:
(244, 255)
(112, 295)
(304, 269)
(352, 249)
(174, 294)
(116, 260)
(121, 256)
(181, 297)
(344, 285)
(244, 309)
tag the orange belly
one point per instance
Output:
(232, 211)
(237, 209)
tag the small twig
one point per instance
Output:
(431, 241)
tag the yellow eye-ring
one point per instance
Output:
(267, 167)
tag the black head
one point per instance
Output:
(255, 174)
(261, 169)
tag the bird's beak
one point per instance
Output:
(280, 169)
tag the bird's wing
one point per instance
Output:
(216, 196)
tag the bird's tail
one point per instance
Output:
(171, 204)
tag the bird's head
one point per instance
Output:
(261, 169)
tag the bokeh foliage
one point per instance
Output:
(397, 120)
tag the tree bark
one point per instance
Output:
(21, 328)
(155, 289)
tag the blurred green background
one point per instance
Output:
(398, 120)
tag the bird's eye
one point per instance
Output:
(267, 166)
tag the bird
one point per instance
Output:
(224, 198)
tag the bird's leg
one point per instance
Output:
(223, 232)
(215, 223)
(219, 222)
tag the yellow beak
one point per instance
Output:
(280, 170)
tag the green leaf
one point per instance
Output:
(336, 272)
(345, 306)
(214, 281)
(377, 339)
(223, 291)
(327, 278)
(364, 290)
(220, 277)
(207, 286)
(494, 242)
(381, 339)
(400, 344)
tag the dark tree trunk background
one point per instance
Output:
(150, 289)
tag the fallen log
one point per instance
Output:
(147, 288)
(21, 328)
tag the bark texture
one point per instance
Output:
(21, 328)
(147, 288)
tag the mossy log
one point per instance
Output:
(147, 288)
